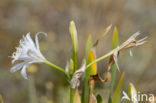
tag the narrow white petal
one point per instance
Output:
(16, 67)
(29, 39)
(13, 61)
(67, 67)
(135, 35)
(36, 39)
(23, 71)
(143, 39)
(131, 53)
(130, 39)
(140, 43)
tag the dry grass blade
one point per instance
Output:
(98, 78)
(92, 98)
(104, 33)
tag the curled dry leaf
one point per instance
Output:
(92, 98)
(97, 77)
(75, 81)
(104, 33)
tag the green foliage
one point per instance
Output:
(71, 67)
(99, 98)
(115, 43)
(85, 91)
(73, 32)
(88, 45)
(116, 96)
(1, 99)
(115, 39)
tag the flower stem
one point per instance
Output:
(101, 58)
(72, 92)
(58, 68)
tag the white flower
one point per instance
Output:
(28, 52)
(131, 42)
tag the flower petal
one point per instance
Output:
(67, 67)
(29, 39)
(23, 71)
(131, 53)
(36, 39)
(16, 67)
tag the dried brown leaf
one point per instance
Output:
(92, 98)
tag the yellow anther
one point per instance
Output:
(14, 54)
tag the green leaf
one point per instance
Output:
(71, 67)
(91, 56)
(85, 90)
(73, 32)
(92, 70)
(115, 43)
(88, 45)
(116, 96)
(115, 39)
(99, 98)
(1, 99)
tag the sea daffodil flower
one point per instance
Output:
(131, 42)
(28, 52)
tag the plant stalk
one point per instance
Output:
(58, 68)
(72, 92)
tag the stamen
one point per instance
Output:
(13, 54)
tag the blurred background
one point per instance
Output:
(46, 85)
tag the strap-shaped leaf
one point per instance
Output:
(115, 39)
(115, 43)
(85, 92)
(92, 70)
(1, 99)
(91, 56)
(99, 98)
(88, 45)
(73, 32)
(116, 96)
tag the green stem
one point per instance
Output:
(58, 68)
(72, 92)
(101, 58)
(86, 89)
